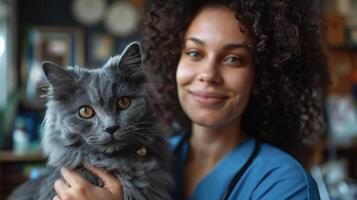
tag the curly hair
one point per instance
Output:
(291, 69)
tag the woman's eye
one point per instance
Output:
(233, 60)
(124, 103)
(86, 112)
(193, 54)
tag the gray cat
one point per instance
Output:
(103, 117)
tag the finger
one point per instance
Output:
(56, 198)
(108, 178)
(61, 189)
(73, 178)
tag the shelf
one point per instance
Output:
(10, 156)
(13, 169)
(343, 47)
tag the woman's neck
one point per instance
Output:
(214, 143)
(207, 147)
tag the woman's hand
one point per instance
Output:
(75, 187)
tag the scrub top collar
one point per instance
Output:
(214, 184)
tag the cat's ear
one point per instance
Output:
(131, 56)
(62, 82)
(128, 64)
(56, 75)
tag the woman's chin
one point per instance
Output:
(208, 122)
(213, 120)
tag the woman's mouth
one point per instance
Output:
(207, 98)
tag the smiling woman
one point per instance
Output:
(279, 40)
(245, 71)
(215, 72)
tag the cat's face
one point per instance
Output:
(99, 108)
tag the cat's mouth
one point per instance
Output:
(108, 145)
(109, 149)
(103, 139)
(122, 148)
(127, 150)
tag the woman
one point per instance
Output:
(249, 76)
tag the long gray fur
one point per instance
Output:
(70, 140)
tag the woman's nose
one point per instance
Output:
(210, 73)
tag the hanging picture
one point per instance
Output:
(61, 45)
(101, 47)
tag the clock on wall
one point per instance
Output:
(122, 18)
(89, 12)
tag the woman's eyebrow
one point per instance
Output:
(236, 46)
(243, 44)
(195, 40)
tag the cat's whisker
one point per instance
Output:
(142, 132)
(146, 131)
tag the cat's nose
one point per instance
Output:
(111, 129)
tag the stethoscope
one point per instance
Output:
(178, 150)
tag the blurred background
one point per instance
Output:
(88, 32)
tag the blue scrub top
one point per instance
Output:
(273, 175)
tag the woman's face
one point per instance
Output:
(215, 72)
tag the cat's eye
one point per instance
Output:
(124, 103)
(86, 112)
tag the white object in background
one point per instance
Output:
(339, 184)
(342, 117)
(3, 65)
(21, 141)
(2, 45)
(89, 12)
(122, 18)
(3, 10)
(344, 7)
(319, 179)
